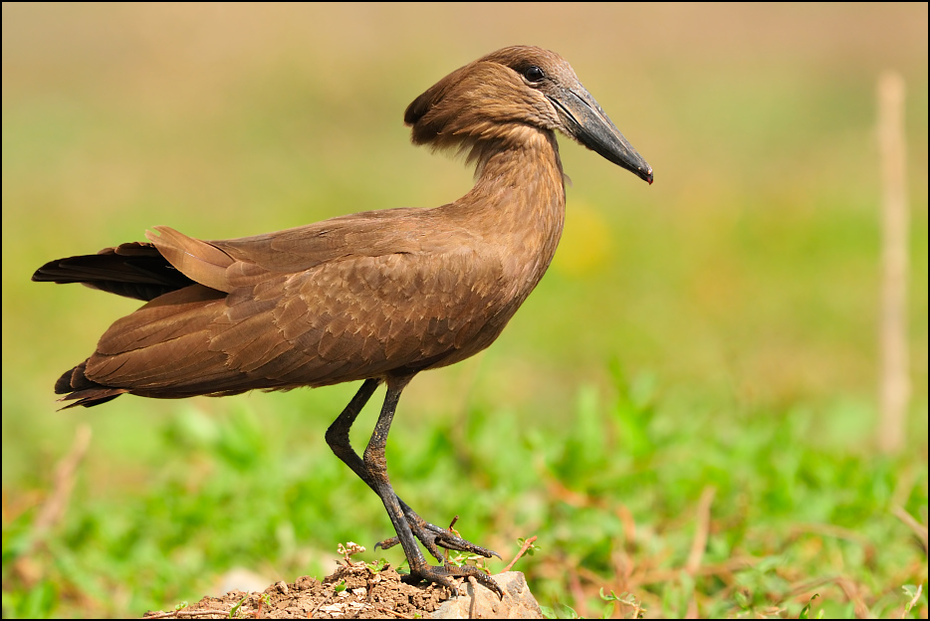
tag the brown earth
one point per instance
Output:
(358, 591)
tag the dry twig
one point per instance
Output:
(53, 509)
(183, 613)
(918, 529)
(523, 549)
(852, 592)
(894, 384)
(699, 543)
(394, 613)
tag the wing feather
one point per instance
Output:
(200, 261)
(305, 307)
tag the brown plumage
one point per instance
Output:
(376, 296)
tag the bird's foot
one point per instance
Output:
(434, 537)
(443, 574)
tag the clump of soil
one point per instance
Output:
(353, 591)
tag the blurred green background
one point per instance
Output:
(717, 328)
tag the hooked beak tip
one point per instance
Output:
(641, 169)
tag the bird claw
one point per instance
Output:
(442, 575)
(433, 537)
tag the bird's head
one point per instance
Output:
(495, 97)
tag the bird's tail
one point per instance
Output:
(76, 387)
(134, 270)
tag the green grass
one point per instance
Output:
(709, 341)
(612, 500)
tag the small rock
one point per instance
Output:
(305, 582)
(518, 602)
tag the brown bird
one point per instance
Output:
(376, 296)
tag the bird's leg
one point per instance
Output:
(408, 524)
(337, 436)
(431, 535)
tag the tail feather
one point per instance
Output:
(134, 270)
(76, 387)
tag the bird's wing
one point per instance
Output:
(371, 233)
(332, 302)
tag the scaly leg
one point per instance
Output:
(372, 469)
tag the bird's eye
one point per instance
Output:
(533, 74)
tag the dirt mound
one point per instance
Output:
(358, 591)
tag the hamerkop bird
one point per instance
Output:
(376, 296)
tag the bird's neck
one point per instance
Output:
(519, 197)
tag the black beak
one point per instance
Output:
(585, 121)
